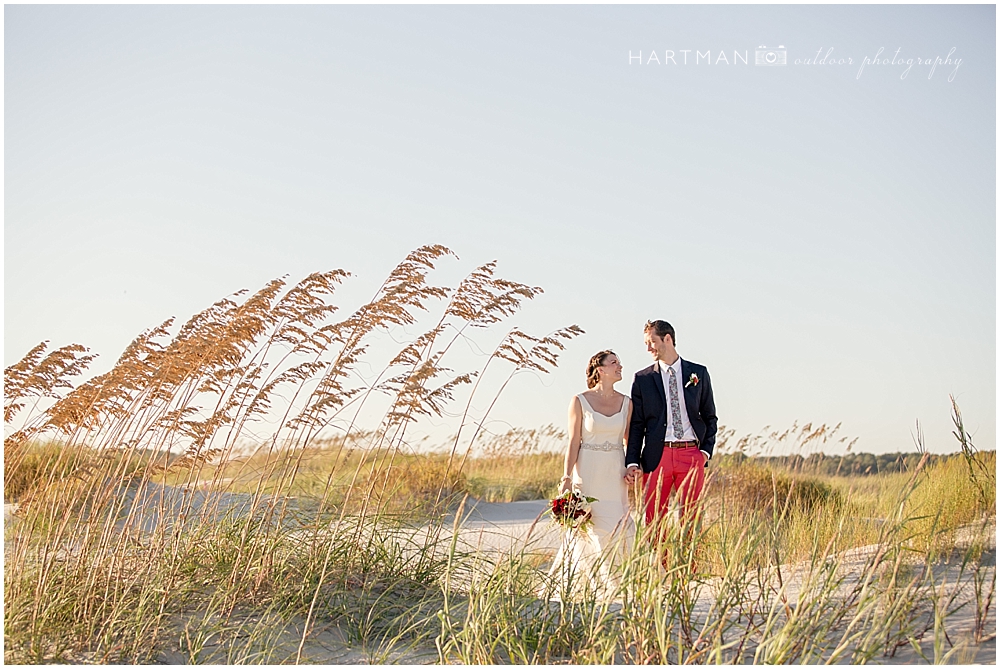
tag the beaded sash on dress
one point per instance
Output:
(606, 446)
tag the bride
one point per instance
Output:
(595, 466)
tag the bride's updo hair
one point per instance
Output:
(596, 361)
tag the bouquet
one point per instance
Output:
(571, 510)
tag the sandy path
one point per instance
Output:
(504, 527)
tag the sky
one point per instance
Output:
(820, 234)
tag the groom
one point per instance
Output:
(672, 432)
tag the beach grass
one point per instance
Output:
(238, 590)
(154, 524)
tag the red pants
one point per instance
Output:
(680, 469)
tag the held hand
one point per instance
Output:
(631, 475)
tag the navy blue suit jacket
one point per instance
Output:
(648, 429)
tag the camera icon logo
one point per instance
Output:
(765, 56)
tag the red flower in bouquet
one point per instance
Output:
(571, 510)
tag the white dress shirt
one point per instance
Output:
(689, 434)
(688, 431)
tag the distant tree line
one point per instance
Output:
(850, 464)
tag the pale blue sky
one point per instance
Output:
(824, 243)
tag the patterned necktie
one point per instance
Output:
(675, 406)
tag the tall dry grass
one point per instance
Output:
(147, 530)
(101, 560)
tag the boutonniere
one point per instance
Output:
(692, 380)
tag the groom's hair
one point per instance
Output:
(661, 329)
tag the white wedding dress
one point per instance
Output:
(599, 473)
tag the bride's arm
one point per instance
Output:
(573, 448)
(628, 423)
